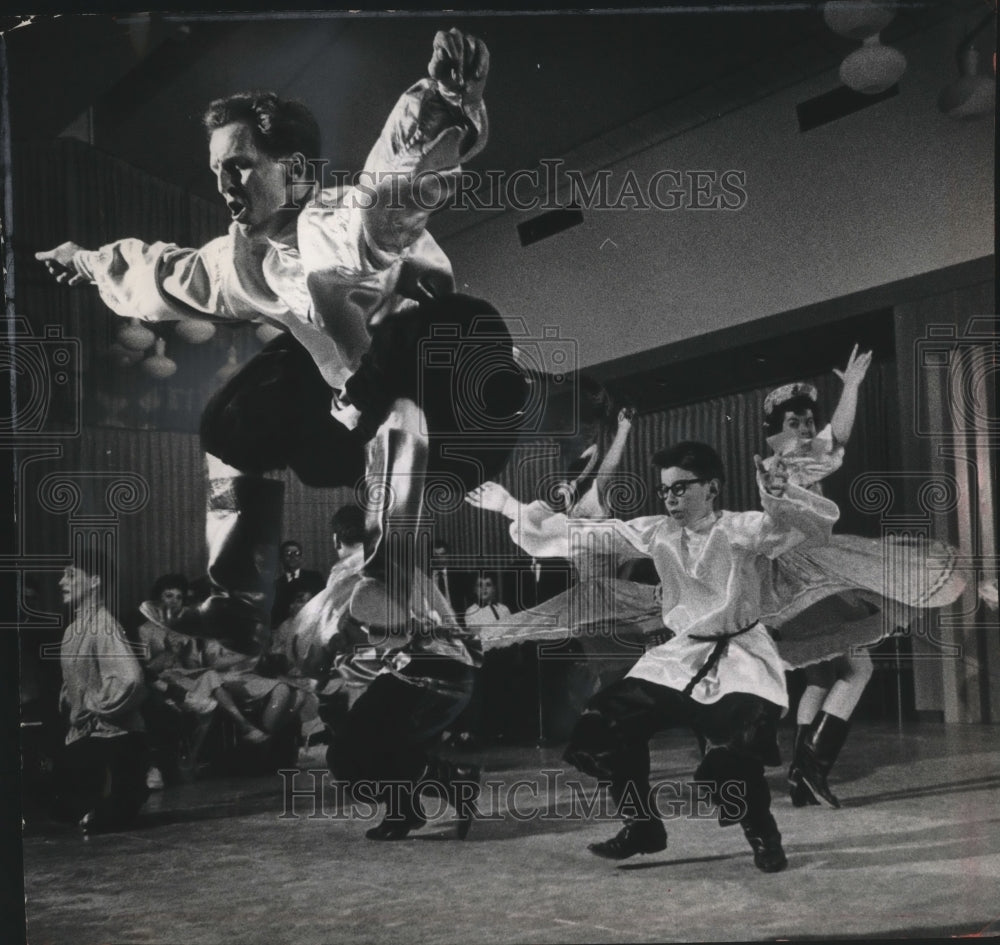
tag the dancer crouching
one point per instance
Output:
(718, 671)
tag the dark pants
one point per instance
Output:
(451, 355)
(387, 734)
(103, 775)
(611, 742)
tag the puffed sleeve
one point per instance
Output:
(160, 281)
(797, 518)
(423, 145)
(543, 533)
(121, 688)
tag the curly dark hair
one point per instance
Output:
(348, 524)
(695, 457)
(281, 127)
(165, 581)
(800, 404)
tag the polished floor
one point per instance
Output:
(914, 852)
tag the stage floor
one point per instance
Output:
(913, 852)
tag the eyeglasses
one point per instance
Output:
(676, 488)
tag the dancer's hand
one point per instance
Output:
(857, 367)
(490, 496)
(625, 416)
(59, 263)
(460, 64)
(773, 481)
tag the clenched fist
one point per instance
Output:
(460, 64)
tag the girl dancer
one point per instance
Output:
(831, 602)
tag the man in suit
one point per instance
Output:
(293, 578)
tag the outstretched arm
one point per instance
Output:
(152, 281)
(543, 533)
(842, 421)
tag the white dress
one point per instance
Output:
(824, 601)
(711, 575)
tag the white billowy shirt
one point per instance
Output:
(351, 257)
(711, 576)
(486, 615)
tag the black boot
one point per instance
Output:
(460, 784)
(643, 833)
(822, 745)
(403, 814)
(396, 464)
(765, 841)
(798, 791)
(243, 531)
(637, 836)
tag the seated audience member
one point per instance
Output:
(292, 579)
(100, 777)
(487, 611)
(201, 675)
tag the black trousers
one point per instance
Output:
(389, 731)
(451, 355)
(611, 742)
(89, 766)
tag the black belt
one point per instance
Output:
(721, 644)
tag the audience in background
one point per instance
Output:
(292, 579)
(487, 610)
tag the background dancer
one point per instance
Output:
(720, 673)
(387, 697)
(99, 779)
(832, 601)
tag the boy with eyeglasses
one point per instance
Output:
(714, 667)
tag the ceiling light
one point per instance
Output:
(873, 68)
(857, 19)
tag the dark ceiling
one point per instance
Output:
(556, 82)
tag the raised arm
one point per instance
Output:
(842, 422)
(436, 125)
(613, 457)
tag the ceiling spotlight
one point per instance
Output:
(972, 95)
(159, 365)
(267, 332)
(194, 332)
(857, 19)
(231, 366)
(136, 336)
(873, 68)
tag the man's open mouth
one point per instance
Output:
(237, 209)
